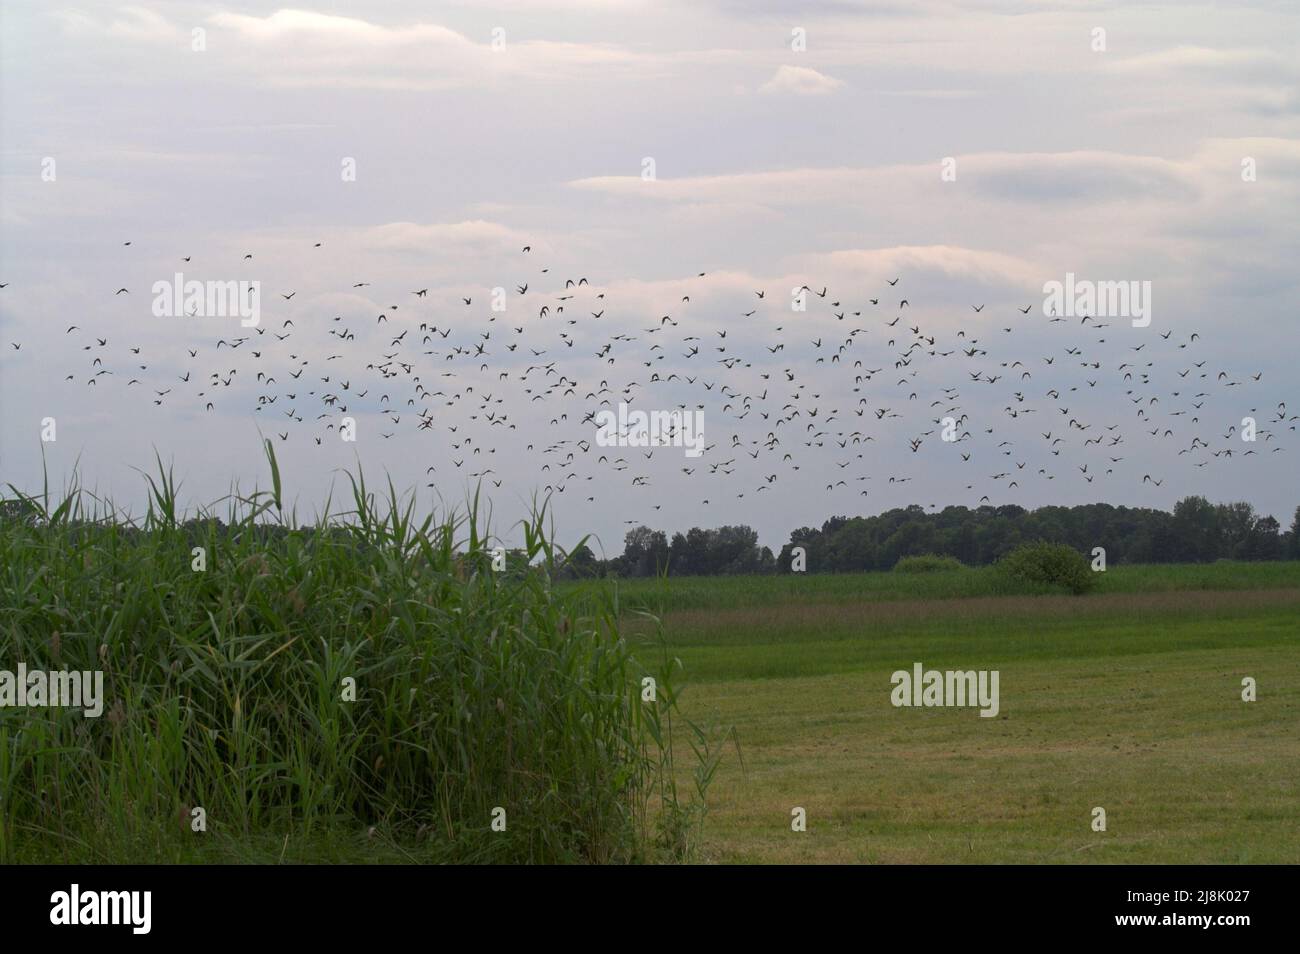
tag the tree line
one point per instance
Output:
(1196, 531)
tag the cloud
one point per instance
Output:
(866, 266)
(132, 23)
(1093, 176)
(305, 49)
(299, 48)
(800, 80)
(1200, 58)
(476, 235)
(778, 186)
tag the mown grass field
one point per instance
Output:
(1128, 699)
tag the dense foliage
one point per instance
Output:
(1048, 564)
(372, 674)
(926, 563)
(1197, 531)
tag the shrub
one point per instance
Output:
(1050, 564)
(927, 563)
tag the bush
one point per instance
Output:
(1051, 564)
(927, 563)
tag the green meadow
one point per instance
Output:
(1128, 699)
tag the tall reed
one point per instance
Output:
(366, 686)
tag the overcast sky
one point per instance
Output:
(792, 143)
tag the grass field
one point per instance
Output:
(1128, 699)
(663, 595)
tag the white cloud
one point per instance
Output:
(868, 266)
(1028, 177)
(800, 80)
(1198, 57)
(306, 49)
(476, 234)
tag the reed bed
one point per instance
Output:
(363, 687)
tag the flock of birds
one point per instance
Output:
(779, 402)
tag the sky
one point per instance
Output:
(972, 151)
